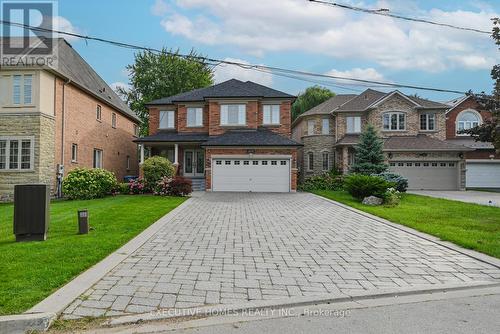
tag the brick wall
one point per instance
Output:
(451, 116)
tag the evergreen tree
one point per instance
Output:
(369, 158)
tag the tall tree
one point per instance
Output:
(489, 131)
(157, 75)
(369, 157)
(310, 98)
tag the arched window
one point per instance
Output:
(467, 120)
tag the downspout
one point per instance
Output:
(60, 167)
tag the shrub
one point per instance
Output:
(361, 186)
(85, 183)
(123, 188)
(137, 186)
(155, 168)
(162, 188)
(400, 183)
(180, 186)
(392, 197)
(327, 181)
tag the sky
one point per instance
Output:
(298, 34)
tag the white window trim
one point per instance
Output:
(323, 120)
(22, 102)
(196, 123)
(354, 125)
(427, 122)
(224, 119)
(76, 152)
(463, 112)
(308, 166)
(98, 113)
(395, 112)
(94, 165)
(169, 126)
(7, 153)
(270, 110)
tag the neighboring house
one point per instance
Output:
(233, 136)
(413, 130)
(65, 116)
(482, 164)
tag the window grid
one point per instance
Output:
(326, 161)
(310, 161)
(167, 119)
(98, 113)
(271, 114)
(233, 114)
(325, 126)
(194, 117)
(427, 122)
(394, 121)
(16, 153)
(353, 124)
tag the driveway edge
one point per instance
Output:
(64, 296)
(471, 253)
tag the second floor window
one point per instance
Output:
(233, 114)
(194, 116)
(74, 153)
(136, 130)
(271, 114)
(98, 113)
(353, 124)
(22, 89)
(394, 121)
(427, 122)
(325, 126)
(113, 120)
(167, 119)
(467, 120)
(310, 127)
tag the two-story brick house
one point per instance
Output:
(483, 163)
(61, 116)
(232, 136)
(413, 130)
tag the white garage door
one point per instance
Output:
(483, 174)
(251, 175)
(428, 175)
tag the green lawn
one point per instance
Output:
(471, 226)
(31, 271)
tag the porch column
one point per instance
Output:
(142, 154)
(345, 159)
(176, 154)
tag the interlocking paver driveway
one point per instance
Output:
(226, 248)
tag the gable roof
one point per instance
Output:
(420, 142)
(232, 88)
(329, 105)
(71, 66)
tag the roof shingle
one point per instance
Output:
(260, 137)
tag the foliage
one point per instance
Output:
(155, 168)
(369, 158)
(123, 188)
(157, 75)
(489, 131)
(310, 98)
(31, 271)
(327, 181)
(85, 183)
(400, 183)
(392, 197)
(361, 186)
(138, 186)
(162, 187)
(180, 186)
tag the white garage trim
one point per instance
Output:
(483, 174)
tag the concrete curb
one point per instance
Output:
(21, 323)
(286, 303)
(471, 253)
(59, 300)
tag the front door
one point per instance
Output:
(194, 163)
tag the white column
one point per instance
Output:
(176, 154)
(142, 153)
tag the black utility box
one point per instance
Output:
(31, 212)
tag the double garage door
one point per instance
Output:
(428, 175)
(485, 174)
(251, 175)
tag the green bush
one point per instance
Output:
(327, 181)
(361, 186)
(156, 168)
(400, 183)
(123, 188)
(392, 197)
(85, 183)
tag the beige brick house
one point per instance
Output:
(413, 129)
(65, 116)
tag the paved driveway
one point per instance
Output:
(224, 248)
(469, 196)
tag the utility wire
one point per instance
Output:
(273, 69)
(384, 12)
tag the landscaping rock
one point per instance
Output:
(372, 200)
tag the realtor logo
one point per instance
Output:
(27, 33)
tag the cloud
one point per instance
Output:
(358, 73)
(119, 84)
(259, 27)
(159, 8)
(225, 72)
(63, 24)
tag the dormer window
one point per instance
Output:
(467, 120)
(394, 121)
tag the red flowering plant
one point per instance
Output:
(138, 186)
(162, 187)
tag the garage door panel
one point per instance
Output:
(428, 175)
(257, 175)
(483, 175)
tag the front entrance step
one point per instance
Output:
(198, 184)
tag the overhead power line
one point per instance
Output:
(385, 12)
(272, 69)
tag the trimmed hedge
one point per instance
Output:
(156, 168)
(361, 186)
(85, 183)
